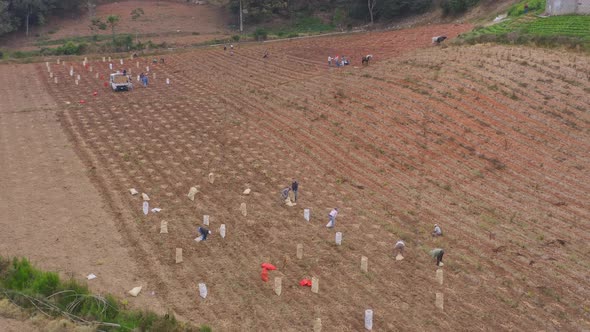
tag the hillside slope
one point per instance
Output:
(491, 143)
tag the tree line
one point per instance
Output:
(371, 11)
(257, 11)
(22, 14)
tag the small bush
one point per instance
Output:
(260, 34)
(235, 38)
(452, 7)
(534, 6)
(71, 48)
(124, 42)
(205, 328)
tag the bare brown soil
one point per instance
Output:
(490, 142)
(162, 21)
(14, 325)
(51, 213)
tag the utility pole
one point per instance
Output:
(241, 17)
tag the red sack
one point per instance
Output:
(268, 266)
(305, 282)
(264, 275)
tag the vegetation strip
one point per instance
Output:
(33, 289)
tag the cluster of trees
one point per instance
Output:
(457, 6)
(22, 14)
(256, 11)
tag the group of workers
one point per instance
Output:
(436, 253)
(399, 246)
(294, 187)
(339, 61)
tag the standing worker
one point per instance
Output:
(438, 254)
(295, 188)
(332, 216)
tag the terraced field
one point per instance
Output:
(492, 143)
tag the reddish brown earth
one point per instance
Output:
(170, 21)
(50, 211)
(490, 142)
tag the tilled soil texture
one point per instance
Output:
(168, 20)
(491, 143)
(50, 211)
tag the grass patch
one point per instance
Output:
(302, 25)
(33, 289)
(535, 6)
(566, 30)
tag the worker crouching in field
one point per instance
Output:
(399, 247)
(437, 231)
(438, 254)
(204, 232)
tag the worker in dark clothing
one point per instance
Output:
(295, 188)
(204, 232)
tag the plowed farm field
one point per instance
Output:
(490, 142)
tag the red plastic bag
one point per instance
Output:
(264, 275)
(305, 282)
(268, 266)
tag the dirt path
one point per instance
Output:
(13, 325)
(51, 212)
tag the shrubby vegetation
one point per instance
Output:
(21, 14)
(535, 6)
(259, 11)
(32, 289)
(457, 6)
(567, 30)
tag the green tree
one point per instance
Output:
(338, 19)
(97, 24)
(113, 21)
(135, 14)
(255, 11)
(457, 6)
(91, 7)
(371, 6)
(32, 10)
(7, 23)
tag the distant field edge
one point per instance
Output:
(569, 31)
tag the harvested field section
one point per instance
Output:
(458, 137)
